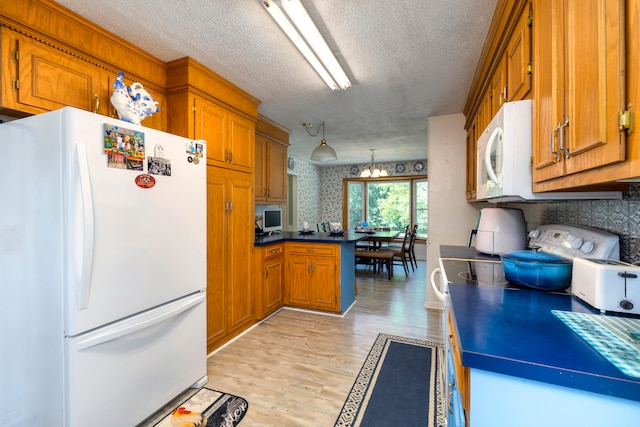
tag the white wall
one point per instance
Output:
(450, 216)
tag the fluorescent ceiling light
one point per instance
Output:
(305, 25)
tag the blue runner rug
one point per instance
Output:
(400, 383)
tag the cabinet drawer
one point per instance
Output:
(271, 251)
(313, 249)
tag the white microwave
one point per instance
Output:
(504, 160)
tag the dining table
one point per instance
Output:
(378, 237)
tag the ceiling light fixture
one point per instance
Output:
(337, 79)
(373, 171)
(323, 152)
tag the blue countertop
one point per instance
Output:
(513, 332)
(316, 237)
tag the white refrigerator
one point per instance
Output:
(102, 270)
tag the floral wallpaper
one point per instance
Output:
(621, 217)
(320, 187)
(309, 187)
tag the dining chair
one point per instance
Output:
(400, 252)
(412, 245)
(411, 255)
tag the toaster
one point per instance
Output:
(607, 285)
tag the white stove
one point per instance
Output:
(460, 264)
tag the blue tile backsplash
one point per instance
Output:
(620, 217)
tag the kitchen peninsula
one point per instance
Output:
(313, 271)
(527, 368)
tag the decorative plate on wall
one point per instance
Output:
(418, 167)
(354, 170)
(291, 163)
(400, 168)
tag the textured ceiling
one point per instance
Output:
(407, 60)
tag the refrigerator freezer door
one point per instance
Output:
(129, 247)
(124, 372)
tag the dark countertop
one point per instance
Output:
(465, 252)
(316, 237)
(513, 332)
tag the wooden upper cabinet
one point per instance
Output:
(498, 89)
(277, 172)
(580, 80)
(472, 155)
(270, 171)
(271, 145)
(229, 137)
(37, 78)
(240, 143)
(211, 126)
(518, 58)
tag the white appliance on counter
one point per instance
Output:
(103, 269)
(504, 160)
(607, 285)
(501, 230)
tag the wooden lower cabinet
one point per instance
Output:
(230, 235)
(312, 276)
(269, 279)
(462, 372)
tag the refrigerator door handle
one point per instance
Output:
(84, 281)
(143, 321)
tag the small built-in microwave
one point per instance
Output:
(504, 160)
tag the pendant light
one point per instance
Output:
(323, 152)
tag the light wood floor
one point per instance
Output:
(296, 368)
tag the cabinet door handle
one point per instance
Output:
(226, 155)
(230, 156)
(552, 140)
(561, 138)
(311, 250)
(309, 268)
(97, 103)
(266, 273)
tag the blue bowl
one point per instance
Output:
(537, 270)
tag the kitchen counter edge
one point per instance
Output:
(295, 236)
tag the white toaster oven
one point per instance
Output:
(607, 285)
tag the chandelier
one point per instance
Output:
(372, 170)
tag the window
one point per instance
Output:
(393, 203)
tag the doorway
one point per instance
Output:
(291, 207)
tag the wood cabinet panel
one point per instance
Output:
(273, 289)
(498, 90)
(325, 279)
(472, 155)
(260, 169)
(576, 105)
(230, 138)
(462, 372)
(37, 78)
(240, 143)
(217, 230)
(312, 276)
(240, 219)
(269, 279)
(270, 171)
(211, 126)
(229, 246)
(518, 58)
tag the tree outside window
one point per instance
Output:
(393, 203)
